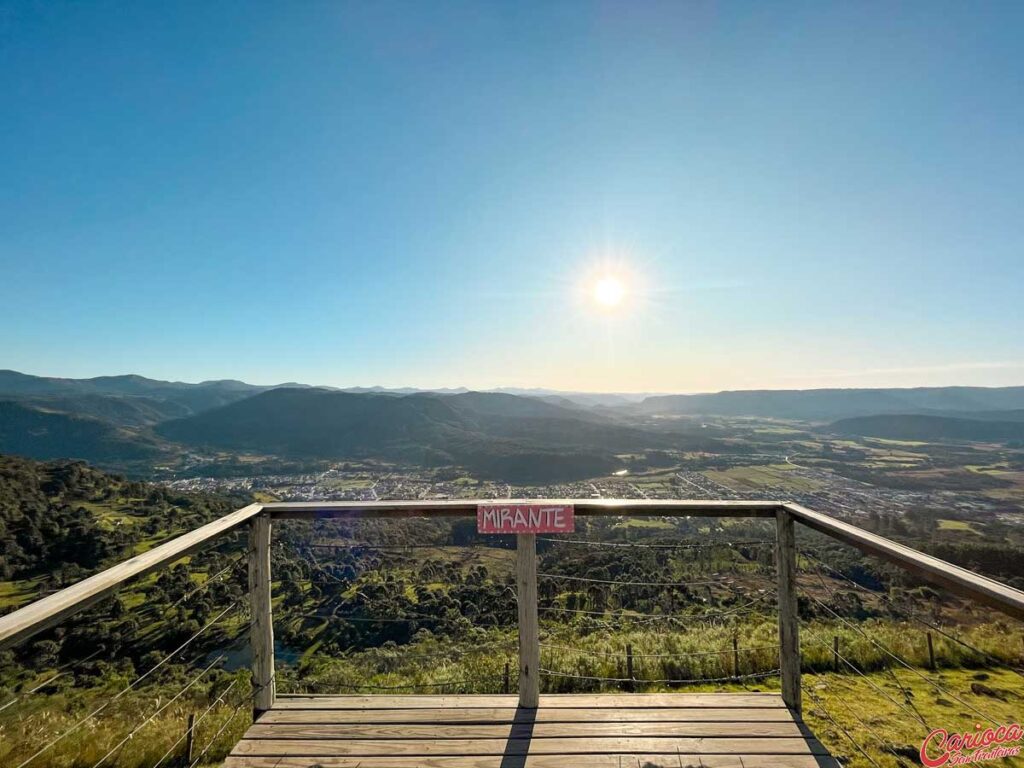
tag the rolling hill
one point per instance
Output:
(832, 404)
(920, 427)
(489, 433)
(120, 410)
(41, 434)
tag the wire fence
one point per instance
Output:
(176, 658)
(740, 598)
(607, 645)
(921, 694)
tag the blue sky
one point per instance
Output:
(792, 194)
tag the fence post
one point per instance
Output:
(631, 685)
(789, 621)
(931, 652)
(190, 739)
(261, 623)
(835, 653)
(506, 685)
(735, 656)
(529, 637)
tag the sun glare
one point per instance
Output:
(608, 291)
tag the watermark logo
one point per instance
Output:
(942, 748)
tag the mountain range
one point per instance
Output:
(539, 435)
(492, 434)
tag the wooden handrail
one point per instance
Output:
(50, 610)
(306, 510)
(960, 580)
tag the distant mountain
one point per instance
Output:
(169, 398)
(41, 434)
(920, 427)
(494, 434)
(517, 435)
(210, 394)
(831, 404)
(586, 399)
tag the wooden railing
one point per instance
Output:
(48, 611)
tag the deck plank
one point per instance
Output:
(504, 715)
(550, 746)
(743, 700)
(540, 761)
(734, 730)
(518, 730)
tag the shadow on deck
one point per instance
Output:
(668, 730)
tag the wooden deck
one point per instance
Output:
(671, 730)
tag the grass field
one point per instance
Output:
(957, 525)
(16, 593)
(757, 477)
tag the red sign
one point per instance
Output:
(525, 518)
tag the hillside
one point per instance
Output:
(923, 427)
(42, 434)
(832, 404)
(62, 519)
(496, 435)
(121, 410)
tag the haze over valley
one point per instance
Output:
(842, 450)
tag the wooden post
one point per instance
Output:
(931, 652)
(261, 623)
(190, 738)
(529, 636)
(735, 656)
(789, 621)
(631, 685)
(835, 653)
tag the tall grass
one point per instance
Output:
(476, 662)
(36, 720)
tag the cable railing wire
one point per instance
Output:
(162, 708)
(912, 616)
(229, 720)
(902, 706)
(843, 730)
(388, 547)
(154, 609)
(864, 724)
(196, 722)
(362, 619)
(61, 671)
(643, 618)
(587, 580)
(619, 654)
(664, 681)
(131, 686)
(239, 639)
(642, 545)
(415, 686)
(898, 659)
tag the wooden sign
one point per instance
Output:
(525, 518)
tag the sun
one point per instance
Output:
(609, 291)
